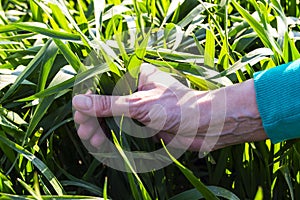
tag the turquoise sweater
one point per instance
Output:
(278, 99)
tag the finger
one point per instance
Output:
(149, 74)
(87, 129)
(98, 138)
(80, 117)
(145, 71)
(101, 105)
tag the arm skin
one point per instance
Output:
(159, 103)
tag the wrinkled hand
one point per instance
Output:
(161, 103)
(164, 104)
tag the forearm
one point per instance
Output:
(237, 110)
(264, 107)
(243, 120)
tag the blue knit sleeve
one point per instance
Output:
(278, 99)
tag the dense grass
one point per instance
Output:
(41, 154)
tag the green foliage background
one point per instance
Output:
(44, 44)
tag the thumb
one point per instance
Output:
(101, 105)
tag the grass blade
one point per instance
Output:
(265, 37)
(72, 59)
(41, 28)
(194, 194)
(196, 182)
(90, 73)
(209, 51)
(36, 162)
(28, 70)
(172, 7)
(251, 58)
(143, 190)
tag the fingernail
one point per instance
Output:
(82, 102)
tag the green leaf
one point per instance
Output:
(72, 59)
(144, 192)
(36, 162)
(8, 28)
(109, 57)
(224, 56)
(196, 182)
(40, 28)
(59, 17)
(5, 42)
(176, 56)
(244, 41)
(14, 197)
(34, 63)
(173, 6)
(6, 80)
(251, 58)
(263, 34)
(10, 127)
(80, 183)
(45, 197)
(209, 52)
(39, 113)
(194, 194)
(36, 11)
(83, 185)
(115, 10)
(290, 51)
(47, 65)
(183, 67)
(202, 83)
(139, 17)
(85, 75)
(136, 59)
(287, 176)
(12, 116)
(118, 35)
(282, 24)
(81, 19)
(105, 189)
(10, 155)
(99, 7)
(30, 190)
(195, 13)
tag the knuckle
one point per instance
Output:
(145, 66)
(103, 105)
(146, 70)
(134, 109)
(136, 102)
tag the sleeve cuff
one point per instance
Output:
(278, 100)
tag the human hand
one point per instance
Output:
(164, 104)
(161, 103)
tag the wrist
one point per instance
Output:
(241, 100)
(242, 109)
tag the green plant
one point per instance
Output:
(45, 44)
